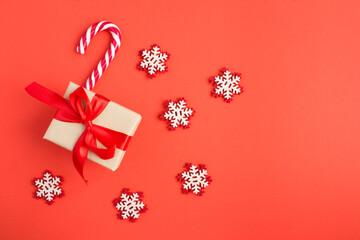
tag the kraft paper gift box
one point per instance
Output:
(114, 117)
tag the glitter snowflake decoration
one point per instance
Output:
(177, 114)
(130, 205)
(48, 187)
(226, 85)
(153, 61)
(194, 179)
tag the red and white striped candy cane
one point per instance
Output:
(110, 53)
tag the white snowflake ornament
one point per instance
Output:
(48, 187)
(226, 85)
(194, 179)
(153, 61)
(130, 205)
(177, 114)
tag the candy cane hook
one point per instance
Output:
(110, 53)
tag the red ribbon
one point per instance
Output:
(79, 109)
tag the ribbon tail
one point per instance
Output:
(49, 97)
(80, 153)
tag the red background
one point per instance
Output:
(284, 155)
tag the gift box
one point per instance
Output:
(88, 124)
(114, 117)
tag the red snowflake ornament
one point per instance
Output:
(153, 61)
(177, 114)
(129, 205)
(194, 179)
(48, 187)
(226, 85)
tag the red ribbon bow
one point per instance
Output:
(79, 109)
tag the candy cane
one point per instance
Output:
(110, 53)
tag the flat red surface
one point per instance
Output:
(284, 155)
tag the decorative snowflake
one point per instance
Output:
(194, 179)
(153, 61)
(130, 205)
(48, 187)
(226, 84)
(177, 114)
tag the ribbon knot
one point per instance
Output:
(88, 124)
(79, 109)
